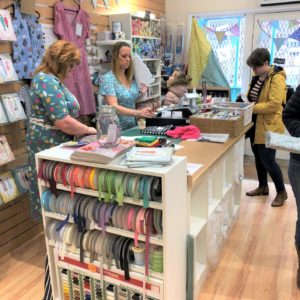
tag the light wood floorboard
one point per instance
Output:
(258, 261)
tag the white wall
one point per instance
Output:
(177, 11)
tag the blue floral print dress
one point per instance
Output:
(110, 85)
(50, 101)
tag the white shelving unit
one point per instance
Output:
(206, 210)
(154, 63)
(169, 285)
(213, 206)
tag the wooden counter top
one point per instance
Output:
(205, 153)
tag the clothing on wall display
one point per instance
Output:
(3, 118)
(7, 71)
(6, 29)
(8, 188)
(21, 178)
(6, 154)
(13, 107)
(73, 25)
(29, 47)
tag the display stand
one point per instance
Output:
(64, 262)
(204, 205)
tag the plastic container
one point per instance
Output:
(239, 108)
(108, 127)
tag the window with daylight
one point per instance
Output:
(227, 38)
(280, 33)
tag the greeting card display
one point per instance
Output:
(7, 70)
(3, 118)
(6, 29)
(21, 178)
(8, 188)
(13, 107)
(6, 154)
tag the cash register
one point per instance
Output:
(176, 115)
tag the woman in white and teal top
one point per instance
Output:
(121, 90)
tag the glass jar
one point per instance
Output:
(108, 127)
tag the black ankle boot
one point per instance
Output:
(298, 271)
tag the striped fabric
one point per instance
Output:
(254, 92)
(47, 282)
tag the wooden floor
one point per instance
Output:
(258, 261)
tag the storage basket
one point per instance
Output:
(208, 125)
(240, 108)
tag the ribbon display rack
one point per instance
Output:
(113, 232)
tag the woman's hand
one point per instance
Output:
(143, 89)
(145, 113)
(92, 130)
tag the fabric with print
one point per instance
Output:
(110, 85)
(74, 26)
(51, 100)
(29, 48)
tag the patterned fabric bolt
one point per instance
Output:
(29, 47)
(51, 101)
(110, 85)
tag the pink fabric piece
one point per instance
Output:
(79, 80)
(185, 132)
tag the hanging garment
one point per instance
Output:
(29, 47)
(74, 26)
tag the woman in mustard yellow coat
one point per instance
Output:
(268, 92)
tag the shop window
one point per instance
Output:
(227, 38)
(280, 33)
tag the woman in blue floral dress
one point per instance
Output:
(54, 108)
(121, 90)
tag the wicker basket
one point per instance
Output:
(232, 127)
(240, 108)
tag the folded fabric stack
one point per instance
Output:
(184, 132)
(146, 157)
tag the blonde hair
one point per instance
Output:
(115, 62)
(59, 58)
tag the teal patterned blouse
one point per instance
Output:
(110, 85)
(50, 101)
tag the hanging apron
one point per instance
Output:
(29, 47)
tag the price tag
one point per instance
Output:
(79, 28)
(166, 114)
(177, 115)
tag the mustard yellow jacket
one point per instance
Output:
(269, 105)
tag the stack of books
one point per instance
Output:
(139, 157)
(93, 152)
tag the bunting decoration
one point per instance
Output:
(262, 36)
(203, 64)
(278, 42)
(235, 30)
(94, 2)
(295, 35)
(220, 36)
